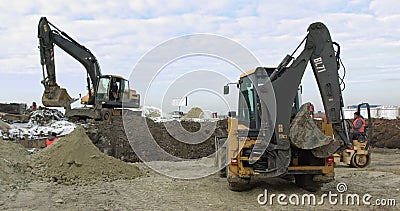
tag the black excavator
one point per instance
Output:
(106, 93)
(273, 135)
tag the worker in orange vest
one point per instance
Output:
(312, 110)
(51, 139)
(358, 126)
(33, 107)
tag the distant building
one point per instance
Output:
(377, 111)
(363, 106)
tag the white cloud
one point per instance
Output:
(382, 8)
(120, 32)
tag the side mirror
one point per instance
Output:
(226, 89)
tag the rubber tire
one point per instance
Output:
(242, 185)
(354, 163)
(106, 115)
(306, 182)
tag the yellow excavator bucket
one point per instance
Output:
(56, 96)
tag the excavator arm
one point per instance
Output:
(54, 96)
(319, 51)
(285, 80)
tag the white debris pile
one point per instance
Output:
(45, 116)
(151, 112)
(41, 123)
(195, 115)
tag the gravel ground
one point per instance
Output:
(154, 191)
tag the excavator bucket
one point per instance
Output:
(305, 134)
(56, 96)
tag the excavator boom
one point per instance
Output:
(54, 95)
(324, 61)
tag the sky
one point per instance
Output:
(121, 33)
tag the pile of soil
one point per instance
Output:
(73, 159)
(111, 138)
(187, 125)
(194, 113)
(4, 127)
(183, 150)
(386, 133)
(13, 165)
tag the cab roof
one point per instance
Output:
(113, 76)
(253, 70)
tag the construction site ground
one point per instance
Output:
(153, 191)
(66, 176)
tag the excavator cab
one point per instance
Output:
(113, 91)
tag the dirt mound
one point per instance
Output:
(179, 149)
(73, 159)
(111, 138)
(4, 127)
(190, 126)
(386, 133)
(13, 165)
(194, 113)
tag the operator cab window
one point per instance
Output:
(115, 89)
(124, 90)
(102, 92)
(246, 103)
